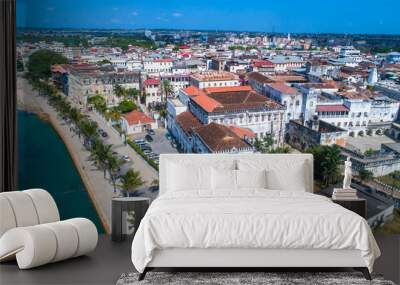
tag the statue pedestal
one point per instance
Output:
(344, 194)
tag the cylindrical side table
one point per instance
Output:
(127, 212)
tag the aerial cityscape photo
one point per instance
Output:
(207, 142)
(106, 87)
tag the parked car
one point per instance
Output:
(150, 132)
(147, 152)
(174, 144)
(114, 153)
(104, 134)
(140, 141)
(100, 131)
(126, 158)
(148, 138)
(153, 156)
(145, 146)
(168, 136)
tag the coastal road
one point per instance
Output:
(136, 162)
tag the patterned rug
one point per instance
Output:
(253, 278)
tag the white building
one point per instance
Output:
(242, 107)
(136, 122)
(208, 79)
(152, 91)
(287, 63)
(288, 96)
(158, 66)
(177, 81)
(348, 56)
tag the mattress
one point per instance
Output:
(250, 219)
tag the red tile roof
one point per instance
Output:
(243, 132)
(163, 60)
(206, 102)
(283, 88)
(262, 63)
(227, 89)
(332, 108)
(234, 100)
(188, 122)
(152, 81)
(136, 117)
(220, 138)
(193, 91)
(259, 77)
(214, 76)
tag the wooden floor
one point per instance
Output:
(110, 260)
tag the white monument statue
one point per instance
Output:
(347, 174)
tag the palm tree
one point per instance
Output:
(113, 166)
(119, 91)
(330, 165)
(89, 130)
(130, 181)
(132, 93)
(365, 175)
(166, 89)
(115, 115)
(100, 154)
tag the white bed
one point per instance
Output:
(201, 219)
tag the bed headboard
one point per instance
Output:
(268, 160)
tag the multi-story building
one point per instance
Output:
(288, 96)
(304, 134)
(218, 138)
(177, 81)
(236, 66)
(240, 106)
(348, 56)
(310, 92)
(214, 79)
(393, 57)
(360, 112)
(152, 91)
(319, 69)
(287, 63)
(158, 66)
(389, 88)
(87, 80)
(262, 66)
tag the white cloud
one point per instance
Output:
(135, 13)
(158, 18)
(177, 14)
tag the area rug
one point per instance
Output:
(253, 278)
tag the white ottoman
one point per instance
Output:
(31, 231)
(41, 244)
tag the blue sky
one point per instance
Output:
(341, 16)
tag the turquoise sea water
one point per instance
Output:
(44, 162)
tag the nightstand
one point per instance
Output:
(127, 213)
(358, 206)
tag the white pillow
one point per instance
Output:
(223, 179)
(277, 178)
(253, 179)
(183, 177)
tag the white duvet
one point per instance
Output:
(250, 219)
